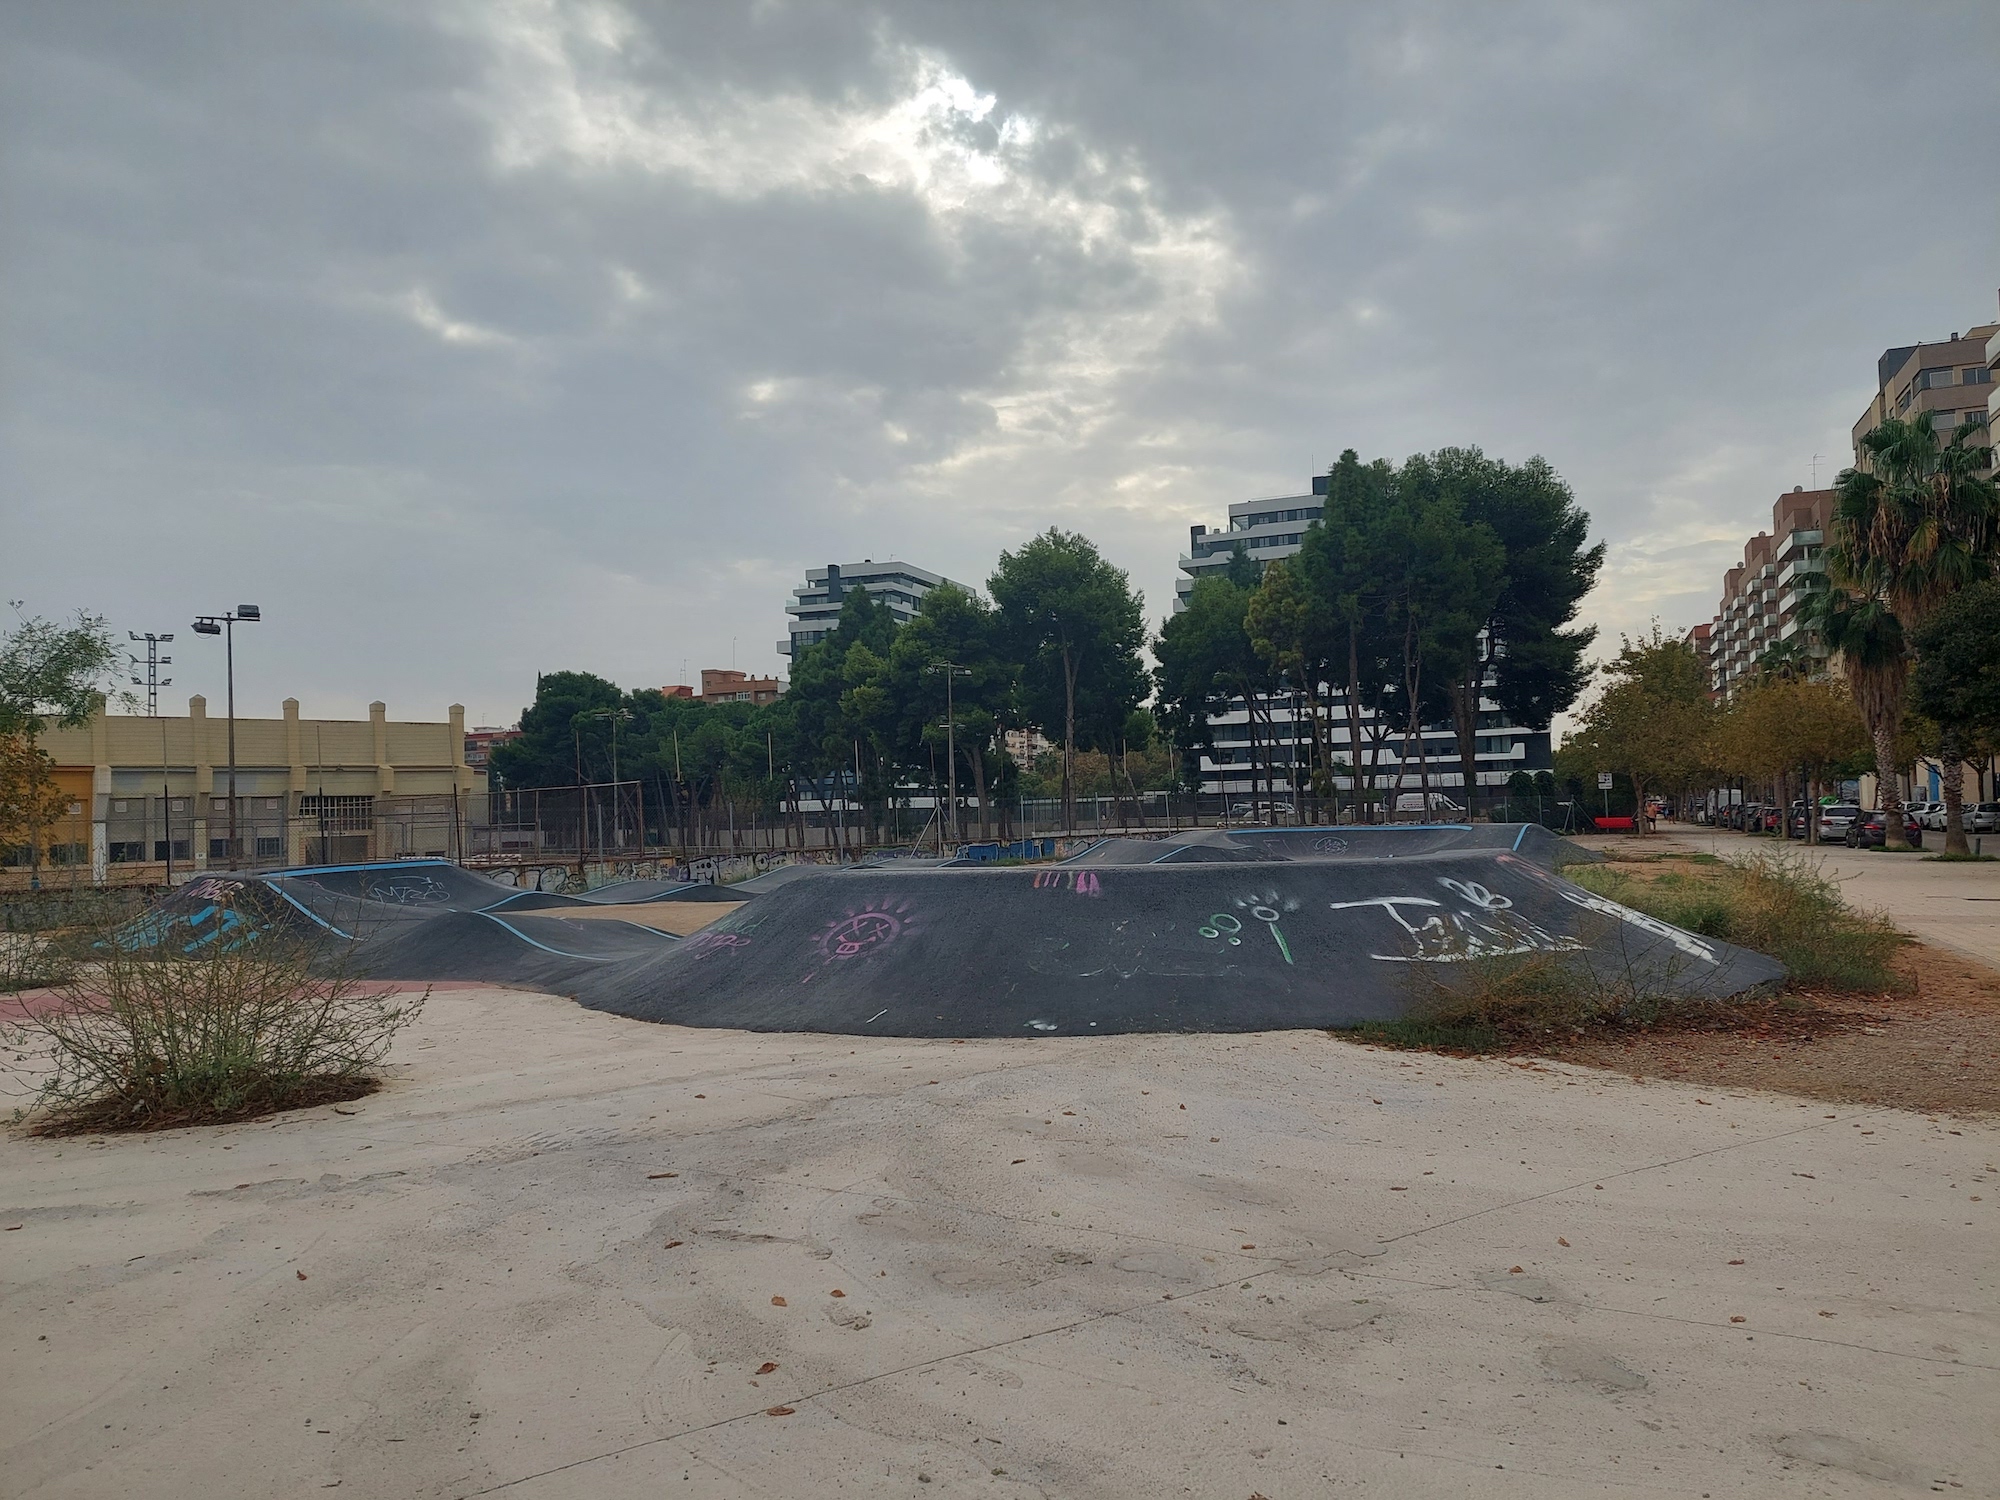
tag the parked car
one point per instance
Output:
(1261, 812)
(1928, 815)
(1983, 817)
(1796, 820)
(1836, 818)
(1871, 831)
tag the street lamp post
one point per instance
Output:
(224, 625)
(951, 669)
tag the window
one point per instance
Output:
(1930, 380)
(128, 853)
(181, 848)
(270, 848)
(1976, 375)
(339, 814)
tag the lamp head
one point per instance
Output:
(207, 627)
(249, 612)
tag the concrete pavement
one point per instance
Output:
(571, 1254)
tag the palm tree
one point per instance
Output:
(1868, 638)
(1914, 526)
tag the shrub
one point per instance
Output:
(1778, 904)
(141, 1040)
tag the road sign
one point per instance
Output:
(1604, 781)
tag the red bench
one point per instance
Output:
(1613, 825)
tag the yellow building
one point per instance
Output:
(143, 791)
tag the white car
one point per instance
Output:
(1928, 815)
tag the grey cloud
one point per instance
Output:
(329, 302)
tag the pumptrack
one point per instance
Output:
(1243, 930)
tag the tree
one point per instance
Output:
(1206, 660)
(1955, 682)
(1074, 623)
(53, 674)
(1776, 726)
(1533, 651)
(954, 632)
(30, 800)
(49, 674)
(549, 749)
(1914, 523)
(1446, 575)
(1653, 722)
(1342, 567)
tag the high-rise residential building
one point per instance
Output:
(1993, 384)
(815, 606)
(1947, 381)
(1274, 528)
(1761, 595)
(1267, 529)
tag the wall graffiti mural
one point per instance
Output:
(874, 926)
(708, 944)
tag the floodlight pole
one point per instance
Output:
(225, 625)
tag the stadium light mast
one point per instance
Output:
(224, 625)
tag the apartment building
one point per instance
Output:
(1761, 595)
(726, 685)
(816, 604)
(1948, 382)
(1273, 528)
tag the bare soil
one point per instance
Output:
(112, 1116)
(1932, 1045)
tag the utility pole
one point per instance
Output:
(951, 669)
(224, 625)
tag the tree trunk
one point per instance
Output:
(1888, 796)
(1354, 712)
(1952, 779)
(978, 758)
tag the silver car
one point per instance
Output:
(1836, 818)
(1983, 817)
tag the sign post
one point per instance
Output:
(1604, 786)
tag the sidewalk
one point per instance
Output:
(1955, 906)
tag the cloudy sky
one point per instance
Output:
(475, 339)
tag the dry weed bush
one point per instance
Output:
(156, 1037)
(1780, 904)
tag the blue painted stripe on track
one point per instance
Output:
(310, 912)
(591, 958)
(388, 864)
(1521, 835)
(1163, 858)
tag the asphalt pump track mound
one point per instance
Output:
(1247, 930)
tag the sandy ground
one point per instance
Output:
(683, 917)
(568, 1254)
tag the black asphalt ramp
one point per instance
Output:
(1248, 930)
(1139, 948)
